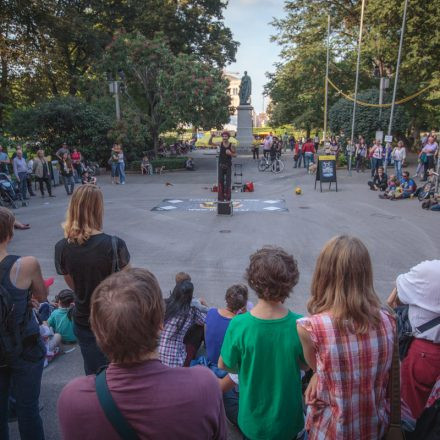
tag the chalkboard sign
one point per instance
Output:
(326, 171)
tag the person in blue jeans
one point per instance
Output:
(121, 166)
(20, 374)
(21, 170)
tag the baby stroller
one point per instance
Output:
(8, 193)
(428, 189)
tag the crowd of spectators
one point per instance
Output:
(176, 368)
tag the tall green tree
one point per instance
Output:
(168, 89)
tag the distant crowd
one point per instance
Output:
(175, 368)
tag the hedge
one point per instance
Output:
(170, 163)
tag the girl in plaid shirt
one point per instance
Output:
(348, 342)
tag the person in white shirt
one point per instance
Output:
(420, 290)
(399, 155)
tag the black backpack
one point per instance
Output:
(428, 424)
(11, 333)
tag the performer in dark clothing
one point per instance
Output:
(227, 152)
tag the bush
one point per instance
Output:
(170, 163)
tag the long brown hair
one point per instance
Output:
(343, 285)
(84, 213)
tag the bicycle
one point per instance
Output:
(275, 165)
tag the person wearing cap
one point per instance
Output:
(420, 290)
(227, 152)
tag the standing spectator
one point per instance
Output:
(256, 149)
(217, 320)
(267, 145)
(420, 290)
(62, 151)
(40, 168)
(292, 142)
(285, 140)
(157, 402)
(399, 156)
(21, 170)
(309, 152)
(316, 141)
(376, 153)
(427, 156)
(67, 171)
(297, 155)
(114, 160)
(30, 165)
(348, 342)
(334, 147)
(76, 161)
(21, 374)
(263, 347)
(361, 154)
(180, 315)
(121, 165)
(85, 257)
(4, 161)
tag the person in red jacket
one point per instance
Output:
(309, 152)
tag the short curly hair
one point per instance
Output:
(236, 297)
(272, 273)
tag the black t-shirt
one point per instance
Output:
(225, 159)
(88, 264)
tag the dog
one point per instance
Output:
(312, 168)
(159, 170)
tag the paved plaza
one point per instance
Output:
(214, 250)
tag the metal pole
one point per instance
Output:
(356, 87)
(381, 87)
(396, 80)
(438, 172)
(326, 80)
(118, 109)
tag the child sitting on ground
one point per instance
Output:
(264, 348)
(392, 188)
(61, 318)
(87, 178)
(218, 320)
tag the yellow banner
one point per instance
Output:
(326, 158)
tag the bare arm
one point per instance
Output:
(222, 366)
(232, 152)
(226, 383)
(37, 286)
(393, 299)
(308, 347)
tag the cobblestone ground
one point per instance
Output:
(215, 250)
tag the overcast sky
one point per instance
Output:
(249, 21)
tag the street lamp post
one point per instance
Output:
(114, 90)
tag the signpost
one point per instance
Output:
(326, 171)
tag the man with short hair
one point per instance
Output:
(61, 151)
(21, 170)
(156, 401)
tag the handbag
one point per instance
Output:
(115, 258)
(423, 158)
(111, 411)
(395, 430)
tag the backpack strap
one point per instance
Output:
(111, 411)
(428, 325)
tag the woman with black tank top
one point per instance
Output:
(20, 373)
(85, 257)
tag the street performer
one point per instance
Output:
(227, 152)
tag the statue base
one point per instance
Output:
(244, 128)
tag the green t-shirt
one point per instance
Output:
(265, 353)
(61, 324)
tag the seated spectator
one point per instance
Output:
(189, 164)
(263, 347)
(60, 319)
(420, 290)
(217, 320)
(146, 167)
(408, 187)
(348, 342)
(180, 315)
(87, 178)
(51, 342)
(392, 188)
(380, 181)
(157, 402)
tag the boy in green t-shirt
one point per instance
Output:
(264, 348)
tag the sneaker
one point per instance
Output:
(51, 195)
(122, 183)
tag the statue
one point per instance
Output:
(245, 89)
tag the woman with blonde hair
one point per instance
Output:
(85, 257)
(348, 343)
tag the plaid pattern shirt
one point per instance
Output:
(172, 350)
(353, 373)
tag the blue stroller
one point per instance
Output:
(8, 192)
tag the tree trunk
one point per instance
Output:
(3, 89)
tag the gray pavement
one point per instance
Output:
(398, 234)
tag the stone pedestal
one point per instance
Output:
(244, 128)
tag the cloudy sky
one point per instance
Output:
(249, 21)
